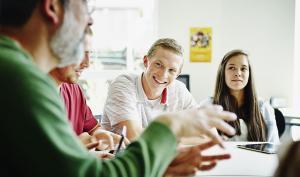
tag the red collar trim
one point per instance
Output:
(164, 97)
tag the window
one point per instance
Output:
(123, 30)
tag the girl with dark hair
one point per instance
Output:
(235, 91)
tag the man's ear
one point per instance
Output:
(52, 9)
(145, 60)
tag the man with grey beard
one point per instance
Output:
(39, 35)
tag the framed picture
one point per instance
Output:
(200, 44)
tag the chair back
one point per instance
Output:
(98, 117)
(185, 78)
(280, 121)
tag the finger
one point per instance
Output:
(205, 145)
(181, 170)
(217, 108)
(126, 141)
(217, 111)
(85, 138)
(185, 155)
(111, 142)
(224, 115)
(105, 155)
(212, 107)
(222, 126)
(207, 167)
(117, 139)
(106, 136)
(215, 137)
(90, 146)
(216, 157)
(102, 146)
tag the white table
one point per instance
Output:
(291, 115)
(292, 119)
(242, 163)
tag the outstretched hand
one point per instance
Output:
(190, 160)
(200, 121)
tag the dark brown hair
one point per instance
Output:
(289, 164)
(15, 13)
(249, 111)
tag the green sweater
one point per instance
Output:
(37, 140)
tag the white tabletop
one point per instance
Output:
(242, 163)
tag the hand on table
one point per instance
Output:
(107, 140)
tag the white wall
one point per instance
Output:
(264, 28)
(297, 57)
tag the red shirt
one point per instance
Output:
(79, 113)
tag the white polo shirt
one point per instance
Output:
(127, 100)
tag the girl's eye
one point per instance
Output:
(244, 69)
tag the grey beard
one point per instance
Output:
(68, 42)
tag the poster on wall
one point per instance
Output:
(200, 44)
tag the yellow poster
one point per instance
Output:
(200, 44)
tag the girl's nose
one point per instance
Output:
(237, 73)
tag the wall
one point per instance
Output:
(264, 28)
(297, 56)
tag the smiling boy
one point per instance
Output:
(139, 98)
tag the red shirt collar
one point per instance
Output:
(164, 97)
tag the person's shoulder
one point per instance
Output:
(128, 77)
(20, 68)
(71, 90)
(125, 85)
(178, 87)
(178, 84)
(266, 109)
(69, 86)
(264, 104)
(15, 61)
(25, 81)
(19, 71)
(177, 90)
(125, 81)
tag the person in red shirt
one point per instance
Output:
(84, 123)
(79, 113)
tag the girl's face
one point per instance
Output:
(237, 73)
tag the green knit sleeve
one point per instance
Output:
(40, 142)
(149, 156)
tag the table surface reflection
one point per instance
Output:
(242, 162)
